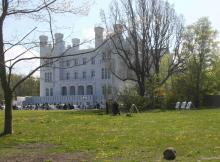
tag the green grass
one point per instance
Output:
(143, 137)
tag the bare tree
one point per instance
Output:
(38, 9)
(145, 31)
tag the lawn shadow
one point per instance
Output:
(2, 134)
(180, 110)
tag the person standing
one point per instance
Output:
(115, 108)
(107, 107)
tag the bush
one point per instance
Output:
(126, 102)
(129, 97)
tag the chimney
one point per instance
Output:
(98, 36)
(59, 44)
(58, 37)
(43, 40)
(45, 49)
(75, 43)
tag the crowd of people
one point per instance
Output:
(47, 106)
(110, 107)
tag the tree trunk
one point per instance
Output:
(6, 88)
(8, 128)
(141, 89)
(5, 85)
(197, 94)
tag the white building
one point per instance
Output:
(80, 76)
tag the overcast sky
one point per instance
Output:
(83, 26)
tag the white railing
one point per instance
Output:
(77, 99)
(71, 79)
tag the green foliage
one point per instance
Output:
(201, 76)
(142, 137)
(156, 91)
(30, 87)
(199, 45)
(129, 96)
(182, 89)
(1, 94)
(183, 85)
(213, 77)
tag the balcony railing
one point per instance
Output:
(79, 79)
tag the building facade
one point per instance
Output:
(78, 76)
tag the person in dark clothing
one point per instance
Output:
(115, 108)
(64, 107)
(107, 107)
(98, 106)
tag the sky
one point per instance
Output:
(191, 10)
(81, 26)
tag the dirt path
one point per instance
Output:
(36, 153)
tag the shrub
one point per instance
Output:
(129, 97)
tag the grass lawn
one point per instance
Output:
(89, 136)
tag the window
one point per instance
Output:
(93, 60)
(45, 77)
(75, 62)
(84, 75)
(106, 74)
(64, 91)
(67, 76)
(89, 90)
(84, 61)
(72, 90)
(104, 90)
(51, 91)
(68, 63)
(76, 75)
(103, 73)
(92, 74)
(103, 56)
(80, 90)
(47, 91)
(48, 77)
(109, 89)
(109, 74)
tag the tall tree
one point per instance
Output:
(200, 46)
(37, 9)
(145, 31)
